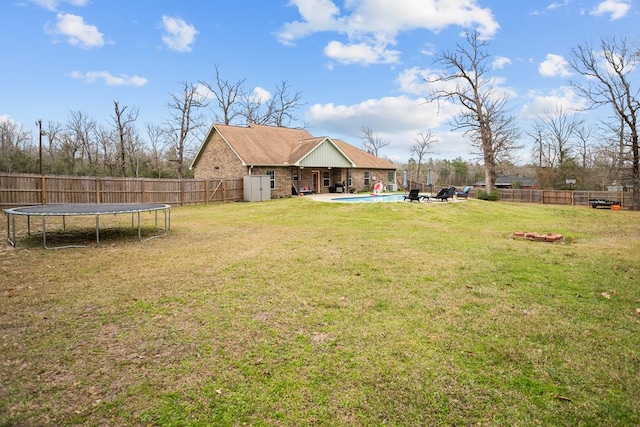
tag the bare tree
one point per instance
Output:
(483, 107)
(608, 82)
(278, 110)
(286, 105)
(371, 142)
(105, 139)
(156, 136)
(80, 130)
(422, 147)
(184, 121)
(227, 95)
(582, 145)
(123, 123)
(13, 141)
(53, 132)
(560, 128)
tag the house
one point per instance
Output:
(510, 181)
(295, 161)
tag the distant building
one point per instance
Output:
(510, 181)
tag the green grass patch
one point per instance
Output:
(294, 312)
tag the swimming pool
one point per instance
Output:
(371, 199)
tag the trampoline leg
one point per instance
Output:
(139, 235)
(97, 230)
(44, 232)
(11, 219)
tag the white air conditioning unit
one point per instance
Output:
(392, 187)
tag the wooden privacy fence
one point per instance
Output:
(563, 197)
(547, 197)
(26, 189)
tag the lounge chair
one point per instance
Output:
(464, 193)
(413, 195)
(444, 194)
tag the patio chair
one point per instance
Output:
(444, 194)
(464, 193)
(413, 195)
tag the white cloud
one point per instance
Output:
(109, 79)
(317, 15)
(558, 5)
(179, 35)
(554, 66)
(76, 31)
(397, 120)
(361, 53)
(500, 62)
(413, 81)
(261, 94)
(616, 8)
(370, 26)
(386, 114)
(541, 103)
(53, 4)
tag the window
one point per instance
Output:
(391, 177)
(326, 179)
(350, 184)
(272, 178)
(367, 180)
(295, 175)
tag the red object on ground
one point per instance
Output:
(549, 237)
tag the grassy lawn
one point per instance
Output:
(294, 312)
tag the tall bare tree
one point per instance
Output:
(560, 128)
(184, 121)
(105, 138)
(156, 136)
(424, 142)
(80, 129)
(608, 72)
(278, 109)
(372, 142)
(123, 122)
(286, 104)
(227, 97)
(466, 82)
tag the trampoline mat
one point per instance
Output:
(86, 209)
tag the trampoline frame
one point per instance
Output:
(65, 210)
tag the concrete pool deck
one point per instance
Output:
(328, 197)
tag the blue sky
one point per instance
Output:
(356, 62)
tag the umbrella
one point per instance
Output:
(404, 181)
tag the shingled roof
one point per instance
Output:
(280, 146)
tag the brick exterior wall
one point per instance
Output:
(219, 161)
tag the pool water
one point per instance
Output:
(371, 199)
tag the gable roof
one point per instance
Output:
(280, 146)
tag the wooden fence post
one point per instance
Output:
(206, 191)
(43, 197)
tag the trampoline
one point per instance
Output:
(65, 210)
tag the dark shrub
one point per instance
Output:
(493, 196)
